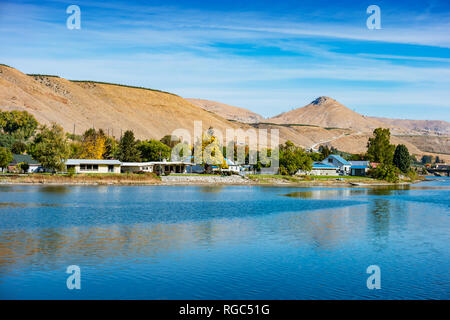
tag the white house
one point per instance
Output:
(93, 165)
(159, 167)
(232, 166)
(132, 167)
(338, 162)
(320, 169)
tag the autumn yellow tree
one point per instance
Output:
(93, 144)
(210, 151)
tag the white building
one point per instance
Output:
(338, 162)
(320, 169)
(93, 165)
(159, 167)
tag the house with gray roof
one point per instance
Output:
(33, 165)
(320, 169)
(359, 168)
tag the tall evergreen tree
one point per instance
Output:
(379, 148)
(402, 159)
(128, 151)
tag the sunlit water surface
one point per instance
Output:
(230, 242)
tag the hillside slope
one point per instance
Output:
(149, 113)
(153, 114)
(228, 112)
(433, 127)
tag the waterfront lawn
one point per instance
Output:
(82, 178)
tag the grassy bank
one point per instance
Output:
(94, 178)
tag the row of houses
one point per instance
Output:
(333, 165)
(116, 166)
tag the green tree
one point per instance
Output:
(5, 158)
(293, 159)
(316, 156)
(426, 159)
(111, 148)
(387, 172)
(379, 148)
(75, 148)
(6, 140)
(153, 150)
(23, 166)
(128, 151)
(167, 140)
(19, 123)
(18, 147)
(325, 151)
(50, 147)
(402, 159)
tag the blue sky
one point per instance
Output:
(267, 56)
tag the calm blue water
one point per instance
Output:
(231, 242)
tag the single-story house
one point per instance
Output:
(137, 167)
(158, 167)
(320, 169)
(24, 158)
(233, 167)
(339, 162)
(359, 168)
(93, 165)
(168, 167)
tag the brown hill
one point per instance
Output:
(328, 113)
(85, 104)
(153, 114)
(228, 112)
(433, 127)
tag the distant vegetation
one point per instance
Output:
(122, 85)
(41, 75)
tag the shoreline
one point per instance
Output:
(200, 180)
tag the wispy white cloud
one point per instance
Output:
(227, 56)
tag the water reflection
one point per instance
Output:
(58, 189)
(235, 242)
(378, 218)
(211, 189)
(27, 205)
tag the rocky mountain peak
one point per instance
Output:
(321, 100)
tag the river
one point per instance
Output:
(225, 242)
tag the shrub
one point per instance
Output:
(385, 172)
(71, 171)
